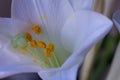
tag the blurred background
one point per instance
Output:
(5, 7)
(97, 63)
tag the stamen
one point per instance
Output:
(41, 44)
(47, 53)
(28, 36)
(51, 47)
(33, 44)
(36, 29)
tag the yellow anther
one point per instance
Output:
(33, 44)
(41, 44)
(36, 29)
(51, 47)
(28, 36)
(47, 53)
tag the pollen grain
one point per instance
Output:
(36, 29)
(33, 44)
(41, 44)
(28, 36)
(51, 47)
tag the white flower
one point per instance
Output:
(66, 32)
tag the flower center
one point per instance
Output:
(42, 52)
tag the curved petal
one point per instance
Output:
(11, 63)
(82, 32)
(79, 34)
(60, 74)
(82, 4)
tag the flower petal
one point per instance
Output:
(41, 11)
(24, 10)
(11, 27)
(82, 32)
(82, 4)
(11, 64)
(3, 40)
(50, 14)
(60, 74)
(78, 35)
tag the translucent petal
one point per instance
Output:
(11, 63)
(82, 32)
(11, 27)
(3, 40)
(60, 74)
(47, 13)
(86, 27)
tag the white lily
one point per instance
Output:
(71, 30)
